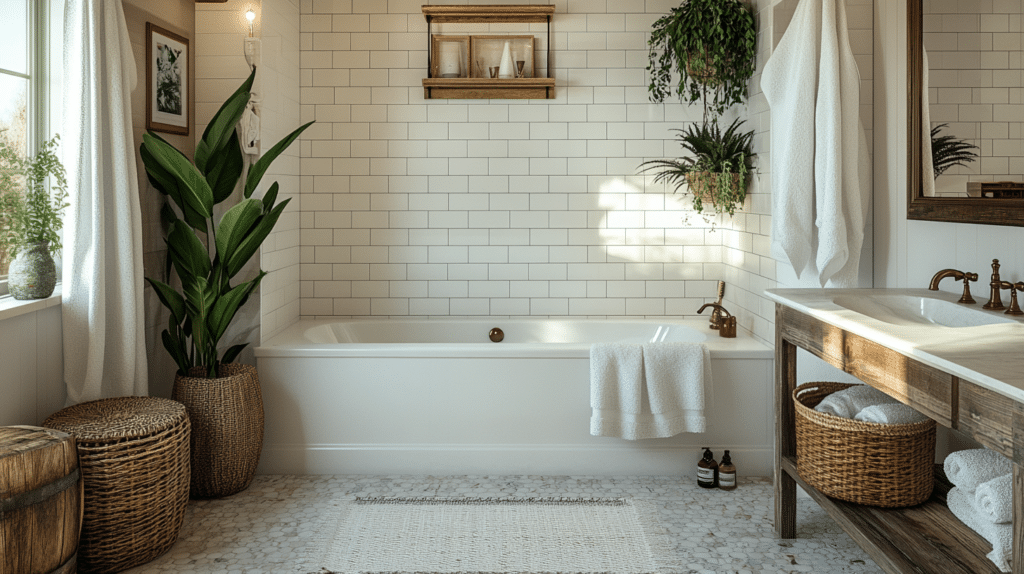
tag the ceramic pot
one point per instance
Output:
(33, 274)
(227, 428)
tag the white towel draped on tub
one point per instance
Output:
(819, 205)
(648, 391)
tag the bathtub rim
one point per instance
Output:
(290, 342)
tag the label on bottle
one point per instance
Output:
(726, 479)
(705, 474)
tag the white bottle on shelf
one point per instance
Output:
(507, 68)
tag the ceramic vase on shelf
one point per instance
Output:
(506, 70)
(33, 274)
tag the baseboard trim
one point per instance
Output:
(507, 459)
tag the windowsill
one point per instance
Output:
(11, 307)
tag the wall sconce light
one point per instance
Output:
(251, 17)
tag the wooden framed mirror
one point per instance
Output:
(975, 87)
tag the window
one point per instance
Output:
(22, 93)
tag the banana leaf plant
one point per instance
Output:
(209, 299)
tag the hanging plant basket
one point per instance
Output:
(707, 189)
(702, 70)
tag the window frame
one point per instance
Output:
(38, 37)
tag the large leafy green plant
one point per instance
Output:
(203, 310)
(718, 167)
(712, 46)
(30, 214)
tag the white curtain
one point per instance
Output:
(104, 337)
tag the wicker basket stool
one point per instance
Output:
(134, 457)
(865, 463)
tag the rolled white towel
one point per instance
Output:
(994, 499)
(968, 469)
(850, 401)
(1000, 536)
(890, 414)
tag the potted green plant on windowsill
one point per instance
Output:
(222, 398)
(712, 47)
(717, 171)
(30, 218)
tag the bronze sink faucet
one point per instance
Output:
(966, 299)
(995, 302)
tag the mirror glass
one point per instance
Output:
(967, 110)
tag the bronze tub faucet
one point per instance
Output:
(966, 299)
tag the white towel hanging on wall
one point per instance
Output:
(819, 207)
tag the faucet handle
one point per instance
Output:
(966, 298)
(1013, 287)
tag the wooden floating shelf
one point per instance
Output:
(487, 88)
(489, 14)
(922, 539)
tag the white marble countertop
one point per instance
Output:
(991, 356)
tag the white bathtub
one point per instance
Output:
(437, 397)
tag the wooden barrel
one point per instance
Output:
(40, 501)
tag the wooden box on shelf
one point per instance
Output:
(484, 52)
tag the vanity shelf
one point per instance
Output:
(481, 87)
(924, 539)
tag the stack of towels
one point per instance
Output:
(983, 498)
(867, 404)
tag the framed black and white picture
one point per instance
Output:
(167, 81)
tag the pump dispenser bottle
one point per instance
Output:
(707, 470)
(726, 473)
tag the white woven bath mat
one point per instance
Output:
(493, 536)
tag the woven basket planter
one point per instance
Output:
(227, 428)
(704, 184)
(133, 454)
(890, 466)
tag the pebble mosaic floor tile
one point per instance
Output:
(266, 528)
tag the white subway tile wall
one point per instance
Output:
(220, 68)
(976, 86)
(516, 207)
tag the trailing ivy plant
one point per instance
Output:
(29, 213)
(712, 46)
(948, 151)
(717, 169)
(208, 301)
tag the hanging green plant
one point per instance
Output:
(712, 46)
(716, 171)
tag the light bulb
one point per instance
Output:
(250, 16)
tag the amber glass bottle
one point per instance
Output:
(726, 473)
(707, 470)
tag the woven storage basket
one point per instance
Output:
(866, 463)
(133, 453)
(227, 428)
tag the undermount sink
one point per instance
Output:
(915, 310)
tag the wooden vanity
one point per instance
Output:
(926, 538)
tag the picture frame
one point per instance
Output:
(449, 57)
(168, 81)
(487, 51)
